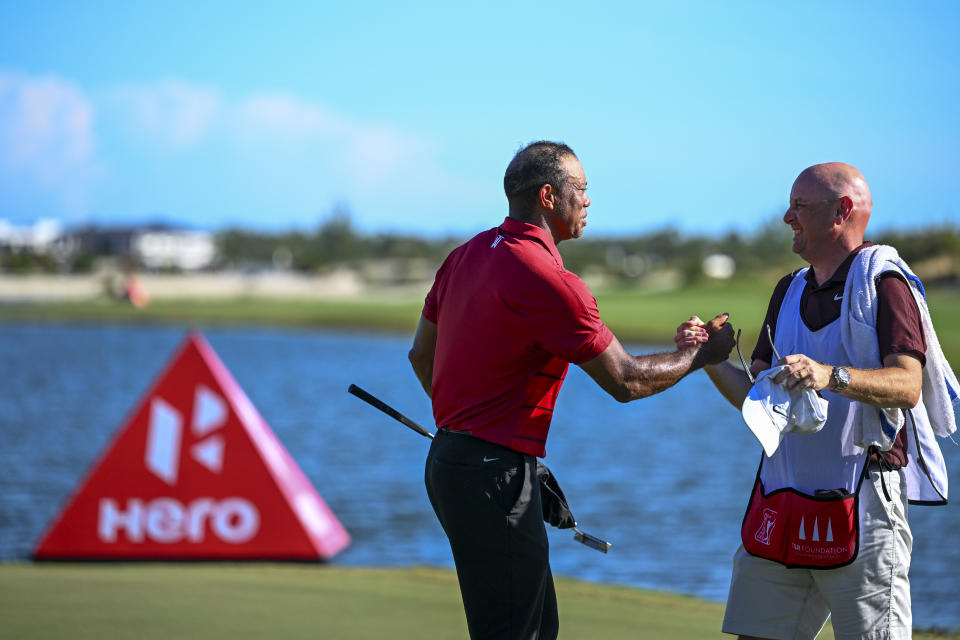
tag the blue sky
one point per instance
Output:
(693, 115)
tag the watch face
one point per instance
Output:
(841, 378)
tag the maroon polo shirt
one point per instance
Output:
(509, 320)
(899, 329)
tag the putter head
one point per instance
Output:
(591, 541)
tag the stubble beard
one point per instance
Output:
(799, 242)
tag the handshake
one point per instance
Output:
(714, 339)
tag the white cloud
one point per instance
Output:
(273, 125)
(367, 153)
(378, 151)
(46, 126)
(276, 147)
(47, 139)
(174, 112)
(285, 116)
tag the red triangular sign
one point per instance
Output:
(195, 473)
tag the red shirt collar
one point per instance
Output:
(532, 232)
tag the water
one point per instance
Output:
(665, 479)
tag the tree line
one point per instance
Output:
(337, 243)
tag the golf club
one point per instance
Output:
(387, 409)
(583, 538)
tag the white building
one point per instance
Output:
(177, 249)
(40, 237)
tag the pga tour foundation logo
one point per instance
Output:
(765, 531)
(166, 520)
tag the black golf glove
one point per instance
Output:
(556, 512)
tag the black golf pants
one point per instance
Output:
(487, 499)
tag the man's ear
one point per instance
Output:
(547, 198)
(845, 208)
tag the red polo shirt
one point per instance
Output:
(509, 320)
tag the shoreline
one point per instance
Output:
(341, 299)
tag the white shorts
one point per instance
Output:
(868, 599)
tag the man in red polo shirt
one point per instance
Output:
(499, 328)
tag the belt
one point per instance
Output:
(468, 442)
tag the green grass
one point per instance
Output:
(633, 314)
(163, 601)
(654, 316)
(366, 313)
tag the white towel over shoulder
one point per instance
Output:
(941, 390)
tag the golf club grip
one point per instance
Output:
(387, 409)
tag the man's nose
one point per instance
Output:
(586, 201)
(788, 215)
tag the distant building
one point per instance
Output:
(103, 241)
(719, 266)
(152, 247)
(42, 237)
(174, 249)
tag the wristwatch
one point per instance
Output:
(839, 379)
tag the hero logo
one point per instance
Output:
(766, 527)
(165, 520)
(166, 427)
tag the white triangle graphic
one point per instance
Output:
(829, 530)
(209, 411)
(803, 535)
(816, 531)
(209, 453)
(163, 441)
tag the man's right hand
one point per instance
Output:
(721, 340)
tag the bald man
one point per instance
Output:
(799, 562)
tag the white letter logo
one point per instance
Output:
(112, 519)
(165, 433)
(236, 520)
(167, 521)
(163, 441)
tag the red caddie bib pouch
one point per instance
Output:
(800, 530)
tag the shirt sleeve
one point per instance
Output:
(763, 351)
(575, 332)
(430, 308)
(899, 328)
(431, 304)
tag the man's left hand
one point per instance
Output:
(691, 333)
(803, 373)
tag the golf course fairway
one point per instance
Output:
(200, 600)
